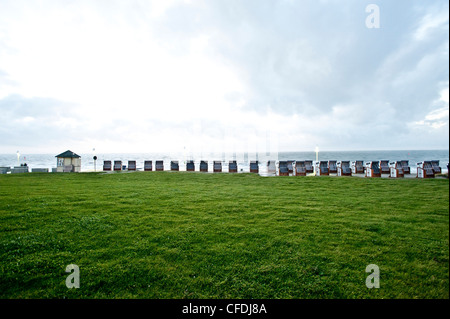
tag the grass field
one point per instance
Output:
(194, 235)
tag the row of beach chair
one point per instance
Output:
(107, 165)
(174, 166)
(425, 169)
(299, 168)
(302, 168)
(428, 169)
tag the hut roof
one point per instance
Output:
(68, 154)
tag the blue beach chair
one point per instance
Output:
(106, 165)
(254, 167)
(174, 166)
(232, 167)
(300, 168)
(159, 165)
(148, 165)
(190, 166)
(332, 167)
(217, 166)
(373, 169)
(283, 168)
(203, 166)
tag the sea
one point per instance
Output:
(88, 163)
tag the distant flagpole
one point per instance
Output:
(95, 160)
(317, 153)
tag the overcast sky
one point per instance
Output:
(231, 75)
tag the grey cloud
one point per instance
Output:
(301, 57)
(308, 57)
(19, 106)
(31, 121)
(5, 79)
(294, 57)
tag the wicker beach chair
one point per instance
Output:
(148, 165)
(232, 167)
(405, 167)
(159, 166)
(384, 167)
(131, 165)
(190, 166)
(436, 168)
(358, 167)
(373, 169)
(117, 165)
(425, 170)
(396, 169)
(254, 167)
(174, 166)
(322, 168)
(344, 168)
(217, 166)
(107, 165)
(300, 168)
(309, 166)
(283, 168)
(203, 166)
(332, 167)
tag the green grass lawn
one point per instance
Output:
(196, 235)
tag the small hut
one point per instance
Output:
(68, 162)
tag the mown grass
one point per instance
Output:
(194, 235)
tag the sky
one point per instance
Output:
(223, 75)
